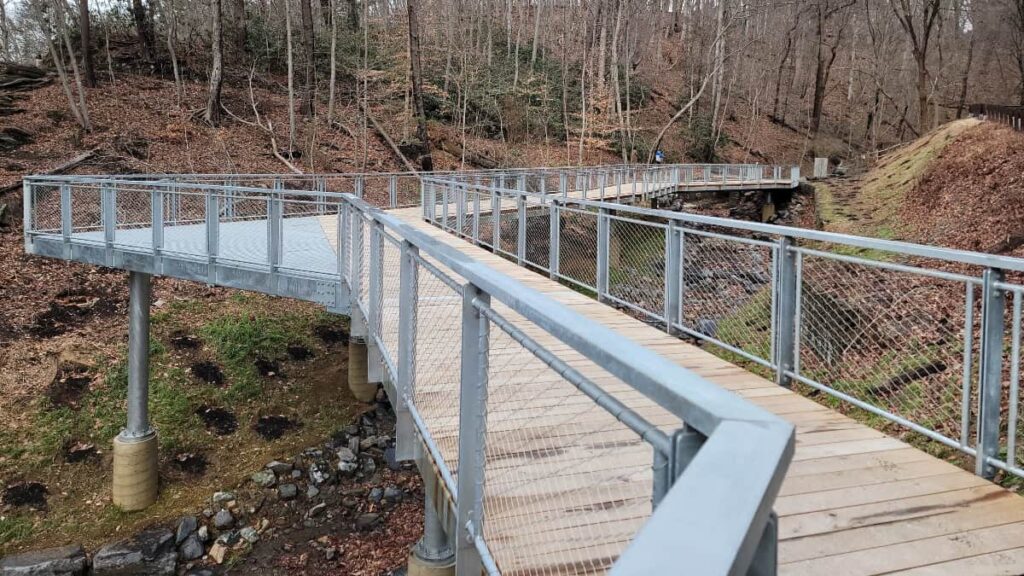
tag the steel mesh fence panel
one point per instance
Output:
(243, 234)
(892, 339)
(45, 208)
(391, 261)
(435, 387)
(578, 247)
(727, 291)
(566, 485)
(538, 236)
(133, 207)
(509, 229)
(86, 209)
(636, 265)
(306, 236)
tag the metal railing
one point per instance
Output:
(400, 189)
(923, 337)
(1012, 116)
(536, 417)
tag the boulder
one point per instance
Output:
(149, 553)
(67, 560)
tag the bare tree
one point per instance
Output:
(918, 19)
(86, 44)
(143, 29)
(425, 160)
(309, 88)
(825, 11)
(213, 104)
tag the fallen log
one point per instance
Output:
(387, 139)
(456, 149)
(897, 382)
(72, 163)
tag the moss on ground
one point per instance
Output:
(231, 335)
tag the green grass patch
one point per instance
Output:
(14, 528)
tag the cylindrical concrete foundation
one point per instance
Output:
(135, 472)
(421, 567)
(358, 381)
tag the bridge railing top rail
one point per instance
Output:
(953, 255)
(716, 516)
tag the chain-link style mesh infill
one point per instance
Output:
(509, 223)
(636, 265)
(727, 291)
(566, 484)
(389, 303)
(438, 362)
(243, 231)
(45, 208)
(306, 244)
(578, 246)
(892, 339)
(1015, 371)
(86, 209)
(133, 207)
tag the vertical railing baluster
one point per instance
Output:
(460, 209)
(993, 310)
(476, 213)
(212, 232)
(673, 275)
(787, 305)
(393, 191)
(66, 225)
(374, 303)
(156, 220)
(1015, 359)
(496, 218)
(108, 217)
(408, 288)
(274, 240)
(603, 246)
(521, 226)
(472, 431)
(554, 242)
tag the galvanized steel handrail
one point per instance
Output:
(711, 514)
(464, 208)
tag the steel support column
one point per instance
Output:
(135, 448)
(993, 310)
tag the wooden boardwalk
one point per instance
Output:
(855, 501)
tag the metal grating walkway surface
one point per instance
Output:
(854, 501)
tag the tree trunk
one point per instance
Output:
(63, 31)
(425, 160)
(334, 60)
(291, 76)
(143, 30)
(87, 60)
(212, 115)
(353, 15)
(172, 33)
(965, 79)
(309, 90)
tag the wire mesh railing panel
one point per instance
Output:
(566, 485)
(388, 329)
(435, 387)
(537, 243)
(892, 339)
(306, 232)
(133, 207)
(243, 231)
(636, 265)
(86, 209)
(578, 247)
(45, 217)
(508, 222)
(727, 291)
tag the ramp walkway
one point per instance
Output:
(854, 500)
(560, 434)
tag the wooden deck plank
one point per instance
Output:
(567, 484)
